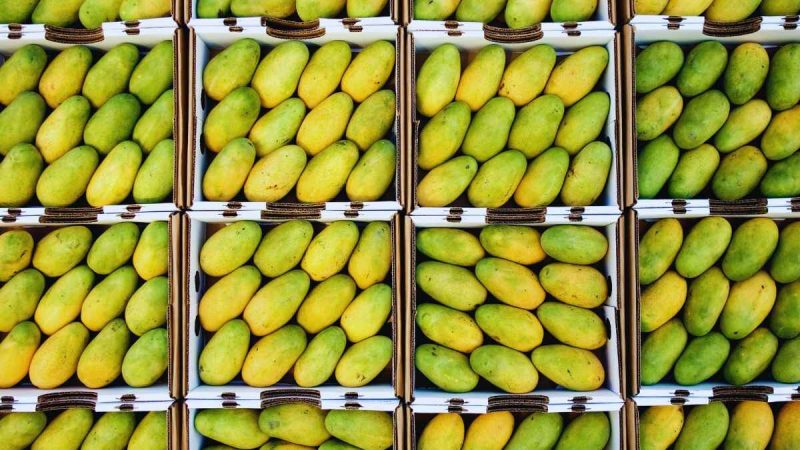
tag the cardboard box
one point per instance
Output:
(165, 389)
(422, 43)
(422, 391)
(196, 230)
(389, 16)
(420, 415)
(206, 42)
(627, 14)
(688, 34)
(192, 440)
(638, 223)
(170, 21)
(103, 41)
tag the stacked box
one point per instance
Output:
(714, 16)
(77, 18)
(292, 14)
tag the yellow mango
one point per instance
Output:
(572, 368)
(101, 363)
(490, 431)
(367, 313)
(326, 303)
(323, 72)
(56, 360)
(364, 361)
(275, 303)
(481, 79)
(443, 432)
(662, 301)
(325, 124)
(373, 174)
(330, 250)
(437, 80)
(271, 358)
(151, 257)
(581, 286)
(576, 76)
(108, 298)
(283, 247)
(317, 363)
(62, 302)
(19, 298)
(223, 356)
(369, 71)
(526, 75)
(66, 431)
(275, 175)
(16, 351)
(511, 283)
(147, 359)
(278, 74)
(16, 251)
(372, 258)
(229, 248)
(228, 297)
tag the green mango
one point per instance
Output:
(587, 175)
(783, 89)
(507, 369)
(326, 303)
(56, 360)
(660, 350)
(705, 301)
(748, 305)
(704, 64)
(231, 118)
(526, 13)
(61, 303)
(438, 244)
(317, 363)
(277, 75)
(113, 248)
(574, 244)
(519, 244)
(705, 427)
(512, 283)
(746, 72)
(658, 248)
(278, 127)
(144, 9)
(479, 11)
(662, 300)
(439, 281)
(365, 8)
(785, 263)
(228, 171)
(372, 119)
(434, 10)
(370, 430)
(571, 368)
(728, 11)
(369, 71)
(66, 431)
(275, 175)
(543, 179)
(156, 124)
(299, 423)
(324, 72)
(325, 124)
(364, 361)
(445, 183)
(537, 431)
(576, 285)
(744, 125)
(497, 180)
(272, 8)
(20, 121)
(445, 431)
(583, 123)
(113, 180)
(449, 370)
(153, 75)
(657, 64)
(703, 246)
(702, 358)
(16, 251)
(481, 79)
(526, 75)
(448, 327)
(659, 426)
(657, 111)
(21, 72)
(19, 172)
(227, 298)
(273, 356)
(576, 75)
(753, 243)
(330, 250)
(784, 366)
(371, 259)
(235, 427)
(147, 307)
(536, 125)
(231, 68)
(147, 359)
(63, 77)
(150, 433)
(309, 10)
(108, 298)
(751, 357)
(572, 10)
(785, 318)
(694, 171)
(779, 140)
(113, 123)
(373, 174)
(441, 137)
(561, 320)
(780, 7)
(19, 429)
(513, 327)
(586, 432)
(16, 11)
(437, 80)
(230, 248)
(93, 13)
(655, 164)
(367, 313)
(270, 308)
(151, 257)
(154, 181)
(101, 363)
(63, 129)
(222, 358)
(111, 74)
(488, 132)
(702, 117)
(283, 247)
(783, 178)
(16, 351)
(19, 297)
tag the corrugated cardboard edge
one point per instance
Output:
(174, 426)
(632, 269)
(184, 282)
(628, 142)
(180, 128)
(631, 425)
(173, 313)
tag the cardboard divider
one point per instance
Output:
(171, 21)
(197, 227)
(638, 223)
(687, 34)
(485, 396)
(206, 42)
(166, 388)
(422, 43)
(145, 38)
(390, 15)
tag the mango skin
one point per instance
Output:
(572, 10)
(704, 65)
(497, 180)
(445, 431)
(367, 313)
(702, 117)
(575, 244)
(657, 64)
(536, 125)
(739, 173)
(488, 132)
(14, 11)
(275, 8)
(371, 260)
(143, 9)
(437, 80)
(526, 76)
(113, 248)
(64, 128)
(231, 68)
(56, 360)
(655, 164)
(271, 307)
(705, 427)
(20, 121)
(507, 369)
(372, 119)
(436, 10)
(21, 72)
(749, 303)
(694, 171)
(275, 175)
(330, 250)
(16, 351)
(436, 243)
(283, 247)
(582, 286)
(705, 301)
(526, 13)
(444, 184)
(786, 435)
(437, 280)
(326, 174)
(16, 251)
(702, 358)
(512, 327)
(325, 124)
(662, 300)
(449, 370)
(236, 427)
(19, 430)
(61, 303)
(67, 430)
(101, 362)
(747, 70)
(561, 320)
(660, 426)
(277, 75)
(108, 298)
(63, 77)
(147, 307)
(228, 297)
(490, 431)
(231, 118)
(369, 71)
(779, 7)
(441, 137)
(477, 11)
(657, 111)
(324, 72)
(658, 248)
(93, 13)
(481, 79)
(588, 64)
(228, 171)
(273, 356)
(278, 127)
(298, 423)
(519, 244)
(703, 246)
(731, 11)
(154, 181)
(113, 180)
(309, 10)
(543, 179)
(511, 283)
(751, 357)
(784, 264)
(19, 297)
(785, 316)
(151, 257)
(583, 122)
(751, 425)
(370, 430)
(365, 8)
(64, 181)
(230, 248)
(326, 303)
(778, 142)
(572, 368)
(784, 368)
(373, 174)
(223, 356)
(153, 75)
(364, 361)
(19, 172)
(150, 433)
(588, 174)
(111, 431)
(752, 245)
(156, 124)
(147, 359)
(317, 363)
(585, 432)
(783, 90)
(62, 249)
(110, 75)
(744, 124)
(660, 350)
(538, 431)
(448, 327)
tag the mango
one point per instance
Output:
(370, 430)
(442, 136)
(93, 13)
(373, 174)
(583, 122)
(438, 280)
(660, 350)
(587, 431)
(536, 125)
(562, 320)
(749, 303)
(275, 175)
(326, 303)
(437, 80)
(113, 180)
(576, 75)
(107, 300)
(16, 351)
(511, 283)
(778, 141)
(156, 124)
(449, 370)
(572, 10)
(786, 435)
(110, 75)
(365, 8)
(662, 301)
(227, 298)
(526, 13)
(309, 10)
(274, 8)
(515, 328)
(16, 251)
(231, 68)
(369, 71)
(587, 175)
(19, 297)
(571, 368)
(66, 431)
(444, 432)
(150, 433)
(694, 171)
(488, 132)
(527, 75)
(481, 78)
(448, 327)
(154, 73)
(434, 10)
(543, 179)
(537, 431)
(438, 243)
(702, 358)
(299, 423)
(144, 9)
(497, 180)
(658, 248)
(18, 430)
(154, 181)
(753, 243)
(19, 171)
(62, 249)
(325, 124)
(479, 11)
(113, 123)
(371, 259)
(746, 72)
(372, 119)
(655, 163)
(518, 244)
(111, 431)
(21, 72)
(658, 63)
(278, 74)
(507, 369)
(229, 248)
(703, 246)
(147, 359)
(236, 427)
(705, 427)
(751, 425)
(283, 247)
(64, 128)
(101, 362)
(702, 117)
(731, 11)
(779, 7)
(744, 125)
(367, 313)
(330, 250)
(271, 358)
(364, 361)
(61, 303)
(271, 307)
(581, 286)
(147, 307)
(20, 121)
(574, 244)
(231, 118)
(783, 90)
(704, 64)
(784, 367)
(324, 72)
(751, 357)
(785, 317)
(445, 183)
(63, 77)
(784, 265)
(56, 360)
(317, 363)
(15, 11)
(278, 127)
(657, 111)
(222, 358)
(228, 171)
(151, 257)
(490, 431)
(113, 248)
(705, 301)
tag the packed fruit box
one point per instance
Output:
(86, 15)
(292, 13)
(717, 13)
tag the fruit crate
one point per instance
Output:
(73, 25)
(482, 394)
(738, 331)
(781, 175)
(476, 424)
(145, 40)
(383, 385)
(361, 414)
(754, 420)
(696, 12)
(421, 44)
(284, 15)
(73, 388)
(207, 42)
(66, 421)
